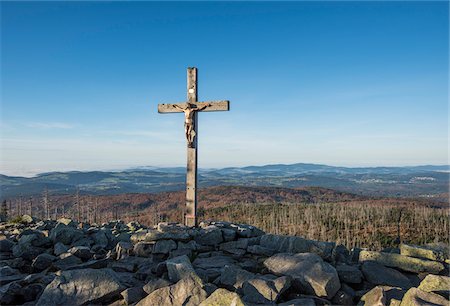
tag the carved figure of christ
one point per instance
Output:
(190, 110)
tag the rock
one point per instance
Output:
(294, 244)
(349, 274)
(418, 297)
(132, 295)
(6, 245)
(143, 249)
(85, 286)
(123, 249)
(228, 234)
(223, 297)
(422, 252)
(8, 271)
(68, 222)
(213, 262)
(380, 275)
(179, 268)
(9, 293)
(100, 238)
(28, 219)
(264, 291)
(299, 302)
(238, 244)
(436, 283)
(375, 297)
(66, 260)
(164, 246)
(210, 235)
(65, 234)
(43, 261)
(10, 278)
(259, 250)
(59, 248)
(155, 284)
(405, 263)
(31, 292)
(233, 277)
(382, 295)
(82, 252)
(308, 270)
(187, 292)
(340, 254)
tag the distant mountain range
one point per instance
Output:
(423, 181)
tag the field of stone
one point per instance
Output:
(64, 262)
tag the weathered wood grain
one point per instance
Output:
(211, 106)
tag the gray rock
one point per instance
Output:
(265, 291)
(381, 275)
(8, 271)
(86, 286)
(299, 302)
(233, 277)
(238, 244)
(405, 263)
(68, 222)
(260, 250)
(66, 260)
(123, 249)
(164, 246)
(223, 297)
(228, 234)
(309, 272)
(65, 234)
(143, 249)
(132, 295)
(210, 235)
(82, 252)
(179, 268)
(100, 238)
(155, 284)
(31, 292)
(43, 261)
(349, 274)
(59, 248)
(382, 295)
(213, 262)
(10, 293)
(187, 292)
(6, 245)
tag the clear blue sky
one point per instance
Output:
(340, 83)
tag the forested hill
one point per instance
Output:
(423, 181)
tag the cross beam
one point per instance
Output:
(190, 110)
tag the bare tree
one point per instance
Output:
(4, 212)
(46, 203)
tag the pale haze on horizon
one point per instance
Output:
(343, 84)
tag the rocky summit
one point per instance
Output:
(64, 262)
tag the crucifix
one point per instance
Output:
(190, 110)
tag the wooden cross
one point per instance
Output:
(190, 109)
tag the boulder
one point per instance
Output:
(132, 295)
(380, 275)
(417, 297)
(6, 245)
(65, 260)
(265, 291)
(43, 261)
(164, 246)
(10, 293)
(299, 302)
(82, 252)
(59, 248)
(143, 249)
(405, 263)
(383, 296)
(309, 272)
(213, 262)
(85, 286)
(223, 297)
(123, 249)
(426, 252)
(349, 274)
(65, 234)
(186, 292)
(260, 250)
(233, 277)
(436, 283)
(210, 235)
(179, 268)
(100, 238)
(155, 284)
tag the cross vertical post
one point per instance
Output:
(190, 218)
(190, 110)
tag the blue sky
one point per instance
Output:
(340, 83)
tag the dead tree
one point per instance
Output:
(30, 207)
(4, 212)
(46, 204)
